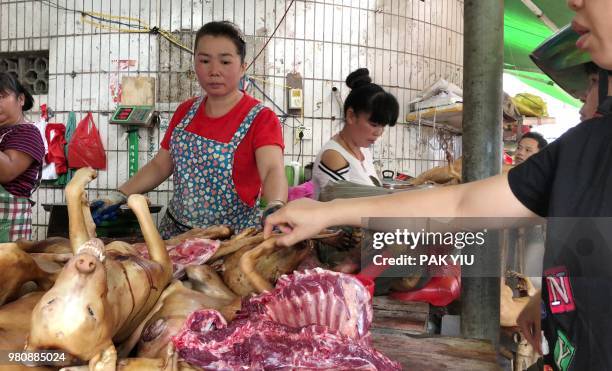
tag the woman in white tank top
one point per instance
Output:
(367, 110)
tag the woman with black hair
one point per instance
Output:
(223, 149)
(367, 110)
(21, 157)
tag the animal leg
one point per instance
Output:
(248, 261)
(155, 244)
(247, 232)
(105, 361)
(90, 225)
(205, 280)
(77, 225)
(231, 246)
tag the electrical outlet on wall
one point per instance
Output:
(295, 99)
(306, 133)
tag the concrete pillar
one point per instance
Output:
(482, 148)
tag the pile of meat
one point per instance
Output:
(312, 319)
(102, 303)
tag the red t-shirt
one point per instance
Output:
(264, 131)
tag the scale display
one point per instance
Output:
(123, 113)
(133, 116)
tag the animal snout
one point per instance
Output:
(86, 263)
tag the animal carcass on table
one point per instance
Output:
(215, 232)
(204, 279)
(18, 267)
(254, 268)
(197, 246)
(258, 264)
(103, 293)
(176, 303)
(15, 320)
(314, 320)
(51, 245)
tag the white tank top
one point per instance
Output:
(360, 172)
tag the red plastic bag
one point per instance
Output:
(85, 147)
(55, 135)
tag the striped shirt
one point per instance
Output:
(360, 172)
(27, 139)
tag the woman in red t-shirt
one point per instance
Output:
(222, 149)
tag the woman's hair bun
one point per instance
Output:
(358, 78)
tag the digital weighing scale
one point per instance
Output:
(141, 116)
(134, 117)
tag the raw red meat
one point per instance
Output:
(335, 300)
(313, 320)
(194, 251)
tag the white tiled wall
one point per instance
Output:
(406, 44)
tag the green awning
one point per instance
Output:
(523, 32)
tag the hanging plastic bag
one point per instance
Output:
(56, 139)
(63, 179)
(85, 147)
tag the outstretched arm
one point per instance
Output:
(150, 176)
(488, 198)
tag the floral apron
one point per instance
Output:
(204, 190)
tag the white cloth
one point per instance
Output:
(360, 172)
(41, 125)
(49, 172)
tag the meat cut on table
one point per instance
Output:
(315, 319)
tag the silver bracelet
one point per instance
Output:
(276, 202)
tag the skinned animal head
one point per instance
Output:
(74, 315)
